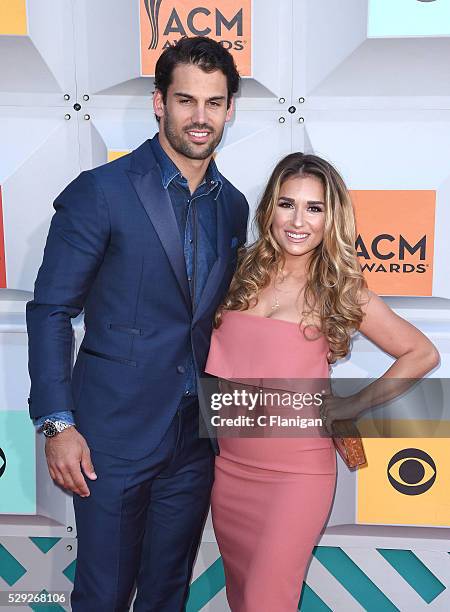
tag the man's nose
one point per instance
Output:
(199, 113)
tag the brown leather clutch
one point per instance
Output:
(348, 443)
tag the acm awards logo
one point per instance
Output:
(2, 462)
(381, 249)
(411, 471)
(395, 243)
(152, 7)
(164, 22)
(175, 25)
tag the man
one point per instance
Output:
(147, 246)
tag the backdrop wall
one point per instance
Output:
(363, 83)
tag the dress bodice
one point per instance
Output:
(251, 346)
(280, 355)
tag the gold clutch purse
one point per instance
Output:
(348, 443)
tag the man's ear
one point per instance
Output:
(158, 103)
(230, 110)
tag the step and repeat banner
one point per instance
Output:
(363, 83)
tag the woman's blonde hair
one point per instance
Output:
(334, 280)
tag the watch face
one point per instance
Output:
(49, 429)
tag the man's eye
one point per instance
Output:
(214, 103)
(184, 101)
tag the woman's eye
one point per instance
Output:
(315, 208)
(285, 204)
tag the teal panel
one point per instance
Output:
(18, 481)
(69, 572)
(311, 602)
(206, 586)
(408, 18)
(47, 607)
(414, 571)
(352, 578)
(10, 569)
(45, 544)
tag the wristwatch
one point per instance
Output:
(51, 428)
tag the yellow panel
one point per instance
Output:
(115, 154)
(13, 17)
(413, 490)
(402, 428)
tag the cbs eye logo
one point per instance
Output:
(2, 462)
(411, 471)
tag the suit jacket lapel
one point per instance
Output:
(156, 201)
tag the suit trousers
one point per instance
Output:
(142, 522)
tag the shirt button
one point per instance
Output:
(187, 392)
(191, 240)
(189, 278)
(181, 369)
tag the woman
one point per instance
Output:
(297, 297)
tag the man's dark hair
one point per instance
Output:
(202, 51)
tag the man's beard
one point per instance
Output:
(186, 148)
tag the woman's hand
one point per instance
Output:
(338, 408)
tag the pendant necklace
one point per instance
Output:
(276, 303)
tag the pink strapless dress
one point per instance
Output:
(271, 496)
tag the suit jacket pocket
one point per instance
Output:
(135, 331)
(89, 351)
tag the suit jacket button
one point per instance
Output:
(181, 369)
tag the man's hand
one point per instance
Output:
(65, 452)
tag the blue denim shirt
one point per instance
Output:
(196, 216)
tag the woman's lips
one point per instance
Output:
(297, 237)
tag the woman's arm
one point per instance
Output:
(415, 355)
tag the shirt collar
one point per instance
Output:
(169, 170)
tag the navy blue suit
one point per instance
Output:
(114, 250)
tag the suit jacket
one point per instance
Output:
(114, 250)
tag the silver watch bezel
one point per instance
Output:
(51, 428)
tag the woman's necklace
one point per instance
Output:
(276, 303)
(280, 278)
